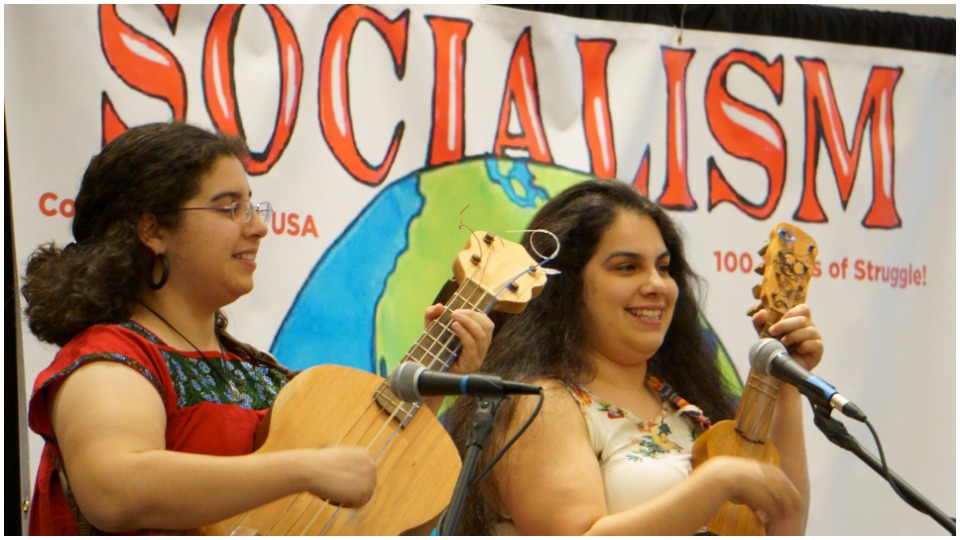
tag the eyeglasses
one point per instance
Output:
(241, 211)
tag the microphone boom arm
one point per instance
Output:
(837, 433)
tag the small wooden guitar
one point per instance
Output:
(787, 268)
(417, 462)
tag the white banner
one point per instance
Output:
(374, 127)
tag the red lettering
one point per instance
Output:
(278, 229)
(521, 92)
(676, 193)
(44, 209)
(859, 271)
(309, 227)
(49, 208)
(113, 126)
(597, 126)
(143, 64)
(67, 208)
(284, 223)
(219, 92)
(746, 132)
(641, 180)
(294, 224)
(447, 129)
(170, 12)
(335, 120)
(823, 121)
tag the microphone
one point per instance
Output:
(769, 357)
(412, 382)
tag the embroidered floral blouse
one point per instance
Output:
(640, 458)
(214, 406)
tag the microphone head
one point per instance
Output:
(403, 381)
(763, 352)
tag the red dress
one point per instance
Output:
(213, 406)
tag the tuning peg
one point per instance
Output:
(760, 268)
(488, 238)
(752, 311)
(763, 250)
(756, 292)
(475, 259)
(513, 287)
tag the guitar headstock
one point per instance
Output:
(501, 268)
(788, 260)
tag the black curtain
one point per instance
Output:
(819, 23)
(11, 369)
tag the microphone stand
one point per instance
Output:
(483, 422)
(837, 433)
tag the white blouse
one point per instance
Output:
(639, 459)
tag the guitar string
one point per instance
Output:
(473, 304)
(444, 347)
(317, 514)
(324, 503)
(272, 529)
(343, 441)
(434, 359)
(450, 337)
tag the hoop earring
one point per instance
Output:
(163, 277)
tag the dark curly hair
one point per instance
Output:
(153, 168)
(544, 341)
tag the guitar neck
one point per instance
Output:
(755, 414)
(438, 345)
(789, 258)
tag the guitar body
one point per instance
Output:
(417, 462)
(330, 405)
(722, 439)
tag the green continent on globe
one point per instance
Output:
(484, 194)
(496, 195)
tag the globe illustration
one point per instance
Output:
(362, 304)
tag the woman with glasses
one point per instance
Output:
(150, 408)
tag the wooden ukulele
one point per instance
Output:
(417, 462)
(787, 268)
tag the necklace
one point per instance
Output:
(210, 362)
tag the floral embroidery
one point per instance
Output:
(654, 437)
(580, 395)
(613, 412)
(682, 405)
(216, 380)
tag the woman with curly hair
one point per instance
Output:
(150, 408)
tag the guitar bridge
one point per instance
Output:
(402, 411)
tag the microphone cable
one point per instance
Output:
(523, 428)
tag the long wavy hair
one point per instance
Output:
(545, 340)
(153, 168)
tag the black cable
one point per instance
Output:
(837, 433)
(536, 411)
